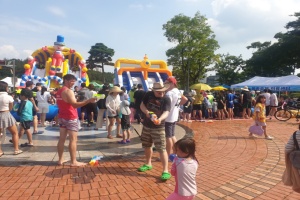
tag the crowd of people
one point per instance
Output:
(157, 109)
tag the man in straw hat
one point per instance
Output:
(246, 102)
(68, 118)
(157, 103)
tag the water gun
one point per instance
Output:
(153, 118)
(172, 156)
(99, 96)
(95, 160)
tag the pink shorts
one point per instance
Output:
(175, 196)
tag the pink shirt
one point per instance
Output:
(184, 171)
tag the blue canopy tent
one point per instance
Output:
(283, 83)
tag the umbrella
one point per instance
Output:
(95, 84)
(219, 88)
(200, 86)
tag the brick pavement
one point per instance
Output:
(232, 166)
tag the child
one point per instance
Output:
(259, 115)
(125, 121)
(25, 112)
(184, 170)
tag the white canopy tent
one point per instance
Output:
(8, 80)
(283, 83)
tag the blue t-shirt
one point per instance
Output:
(25, 111)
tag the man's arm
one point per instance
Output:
(144, 109)
(69, 97)
(183, 100)
(34, 105)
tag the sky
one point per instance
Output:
(133, 28)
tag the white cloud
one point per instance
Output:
(8, 52)
(57, 11)
(140, 6)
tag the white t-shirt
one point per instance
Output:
(267, 95)
(5, 99)
(175, 97)
(273, 100)
(42, 98)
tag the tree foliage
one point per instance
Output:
(277, 59)
(229, 69)
(194, 48)
(96, 76)
(100, 55)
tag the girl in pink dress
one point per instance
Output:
(184, 169)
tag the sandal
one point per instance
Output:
(110, 137)
(165, 176)
(122, 142)
(145, 168)
(18, 152)
(128, 140)
(26, 145)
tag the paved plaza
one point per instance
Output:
(231, 165)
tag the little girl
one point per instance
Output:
(259, 115)
(184, 170)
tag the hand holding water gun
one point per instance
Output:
(154, 118)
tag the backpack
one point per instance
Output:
(295, 154)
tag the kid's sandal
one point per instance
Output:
(145, 168)
(165, 176)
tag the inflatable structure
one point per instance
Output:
(49, 64)
(146, 72)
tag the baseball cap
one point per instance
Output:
(172, 79)
(29, 83)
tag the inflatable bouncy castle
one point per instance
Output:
(146, 72)
(49, 64)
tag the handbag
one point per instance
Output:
(257, 130)
(295, 154)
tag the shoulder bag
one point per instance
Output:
(295, 154)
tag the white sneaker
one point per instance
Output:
(269, 138)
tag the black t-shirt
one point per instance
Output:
(157, 106)
(102, 102)
(138, 96)
(246, 96)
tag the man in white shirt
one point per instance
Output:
(267, 95)
(177, 99)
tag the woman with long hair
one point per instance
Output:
(7, 121)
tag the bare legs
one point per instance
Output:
(72, 146)
(15, 138)
(170, 143)
(163, 158)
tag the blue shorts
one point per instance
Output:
(229, 104)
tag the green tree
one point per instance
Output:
(194, 48)
(229, 68)
(96, 76)
(277, 59)
(19, 69)
(100, 55)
